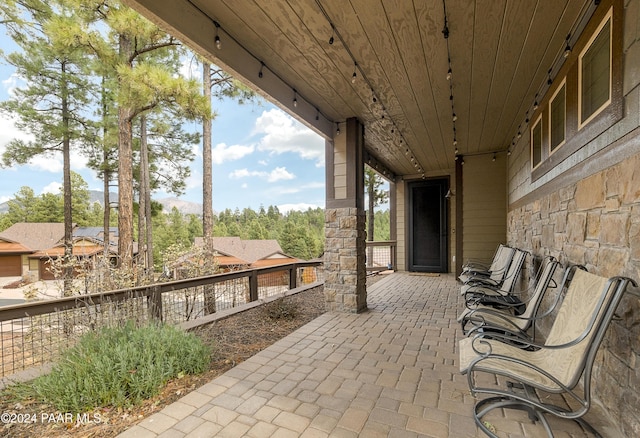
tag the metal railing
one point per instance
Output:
(381, 255)
(33, 334)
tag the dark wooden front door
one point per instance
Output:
(428, 226)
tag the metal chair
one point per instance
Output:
(562, 365)
(494, 313)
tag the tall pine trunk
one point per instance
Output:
(145, 235)
(67, 270)
(207, 189)
(125, 172)
(106, 176)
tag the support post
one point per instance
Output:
(345, 246)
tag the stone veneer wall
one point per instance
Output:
(344, 257)
(596, 222)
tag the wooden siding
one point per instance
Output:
(484, 205)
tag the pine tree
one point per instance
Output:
(53, 103)
(128, 55)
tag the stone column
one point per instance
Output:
(345, 271)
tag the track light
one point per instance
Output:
(337, 128)
(449, 74)
(317, 114)
(445, 30)
(355, 74)
(332, 32)
(295, 99)
(494, 157)
(260, 72)
(454, 117)
(217, 38)
(549, 80)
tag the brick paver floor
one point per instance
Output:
(389, 372)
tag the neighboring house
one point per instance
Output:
(233, 253)
(86, 250)
(26, 248)
(31, 237)
(11, 254)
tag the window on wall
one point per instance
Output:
(536, 142)
(585, 97)
(558, 117)
(594, 70)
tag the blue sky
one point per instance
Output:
(262, 156)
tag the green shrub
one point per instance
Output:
(120, 367)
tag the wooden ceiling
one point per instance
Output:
(499, 52)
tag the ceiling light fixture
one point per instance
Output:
(217, 38)
(449, 73)
(260, 72)
(567, 48)
(355, 74)
(295, 98)
(333, 30)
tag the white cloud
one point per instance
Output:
(9, 131)
(53, 187)
(48, 162)
(11, 83)
(4, 199)
(281, 133)
(242, 173)
(277, 174)
(221, 152)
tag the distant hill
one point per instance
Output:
(184, 207)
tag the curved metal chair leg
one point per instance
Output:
(487, 405)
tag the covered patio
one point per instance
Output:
(493, 122)
(391, 371)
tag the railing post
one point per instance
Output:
(293, 276)
(393, 251)
(253, 286)
(155, 303)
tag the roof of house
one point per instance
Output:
(10, 247)
(81, 247)
(251, 250)
(35, 236)
(97, 233)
